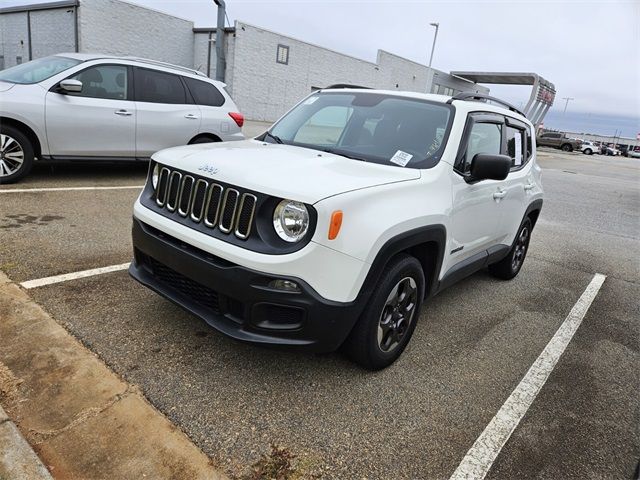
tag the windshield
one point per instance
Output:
(37, 70)
(373, 127)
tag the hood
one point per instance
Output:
(284, 171)
(4, 86)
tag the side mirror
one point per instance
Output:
(489, 167)
(69, 85)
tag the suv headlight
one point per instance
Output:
(291, 220)
(155, 175)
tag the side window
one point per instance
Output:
(204, 93)
(159, 87)
(529, 143)
(515, 146)
(103, 81)
(325, 126)
(484, 138)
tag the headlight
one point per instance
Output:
(291, 220)
(155, 175)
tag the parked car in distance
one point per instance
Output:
(589, 148)
(78, 107)
(559, 140)
(611, 150)
(334, 226)
(634, 152)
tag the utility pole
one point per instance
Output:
(220, 60)
(433, 48)
(566, 103)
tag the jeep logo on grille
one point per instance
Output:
(208, 169)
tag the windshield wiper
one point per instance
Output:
(275, 137)
(342, 153)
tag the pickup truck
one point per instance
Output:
(559, 140)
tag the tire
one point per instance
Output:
(382, 332)
(588, 151)
(204, 139)
(510, 266)
(16, 155)
(566, 147)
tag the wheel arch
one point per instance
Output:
(212, 136)
(533, 211)
(26, 130)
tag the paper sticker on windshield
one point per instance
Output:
(401, 158)
(310, 100)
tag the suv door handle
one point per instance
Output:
(499, 194)
(191, 116)
(529, 186)
(124, 113)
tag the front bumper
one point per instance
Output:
(236, 300)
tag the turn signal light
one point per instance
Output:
(335, 224)
(237, 117)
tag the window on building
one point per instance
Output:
(484, 138)
(434, 88)
(1, 62)
(103, 81)
(204, 93)
(18, 60)
(283, 54)
(158, 87)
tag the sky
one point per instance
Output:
(590, 50)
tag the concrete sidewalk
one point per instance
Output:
(81, 419)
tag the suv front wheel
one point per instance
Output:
(387, 323)
(16, 154)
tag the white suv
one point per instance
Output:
(334, 226)
(76, 107)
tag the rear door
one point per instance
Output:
(99, 121)
(475, 217)
(166, 115)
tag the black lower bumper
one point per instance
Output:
(235, 300)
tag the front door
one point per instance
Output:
(476, 206)
(166, 116)
(99, 121)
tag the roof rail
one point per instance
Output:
(483, 96)
(165, 64)
(345, 85)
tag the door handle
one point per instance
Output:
(191, 116)
(499, 194)
(124, 113)
(529, 186)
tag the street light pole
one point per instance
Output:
(433, 48)
(566, 103)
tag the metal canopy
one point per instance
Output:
(542, 95)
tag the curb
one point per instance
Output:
(17, 458)
(80, 418)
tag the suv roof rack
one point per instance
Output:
(345, 85)
(165, 64)
(483, 96)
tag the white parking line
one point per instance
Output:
(68, 189)
(40, 282)
(482, 454)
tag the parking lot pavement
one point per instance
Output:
(417, 419)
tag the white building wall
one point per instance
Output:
(201, 51)
(120, 28)
(14, 38)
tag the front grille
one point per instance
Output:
(198, 293)
(199, 200)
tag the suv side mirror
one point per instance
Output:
(70, 85)
(489, 167)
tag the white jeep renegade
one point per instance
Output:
(333, 227)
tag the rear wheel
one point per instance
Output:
(387, 323)
(204, 139)
(16, 154)
(567, 147)
(509, 266)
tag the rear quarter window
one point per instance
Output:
(204, 93)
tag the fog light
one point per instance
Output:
(285, 285)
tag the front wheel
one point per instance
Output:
(509, 266)
(567, 148)
(387, 323)
(588, 151)
(16, 155)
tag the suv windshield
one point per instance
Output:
(373, 127)
(37, 70)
